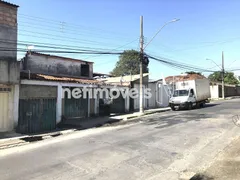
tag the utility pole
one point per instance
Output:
(141, 67)
(223, 93)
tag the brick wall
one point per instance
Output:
(8, 31)
(8, 15)
(34, 91)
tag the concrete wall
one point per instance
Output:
(12, 108)
(37, 91)
(216, 91)
(9, 72)
(160, 95)
(152, 101)
(136, 100)
(9, 67)
(228, 91)
(55, 66)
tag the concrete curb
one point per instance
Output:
(227, 98)
(147, 113)
(26, 139)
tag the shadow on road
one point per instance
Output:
(174, 119)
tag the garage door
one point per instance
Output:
(4, 123)
(37, 115)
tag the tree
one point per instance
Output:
(128, 63)
(229, 77)
(193, 72)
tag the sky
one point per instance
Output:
(206, 28)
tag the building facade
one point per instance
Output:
(9, 67)
(46, 81)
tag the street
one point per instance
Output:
(159, 146)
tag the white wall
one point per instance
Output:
(214, 91)
(163, 95)
(160, 96)
(136, 100)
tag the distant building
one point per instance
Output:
(97, 75)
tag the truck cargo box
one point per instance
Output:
(200, 86)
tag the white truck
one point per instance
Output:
(190, 93)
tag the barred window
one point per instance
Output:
(5, 89)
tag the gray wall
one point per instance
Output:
(9, 72)
(8, 40)
(54, 66)
(34, 91)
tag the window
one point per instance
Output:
(180, 93)
(192, 92)
(85, 70)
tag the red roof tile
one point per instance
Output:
(33, 76)
(186, 77)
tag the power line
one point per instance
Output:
(57, 51)
(22, 43)
(45, 20)
(115, 48)
(64, 31)
(64, 37)
(179, 65)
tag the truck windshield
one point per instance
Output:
(180, 93)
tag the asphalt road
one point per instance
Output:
(160, 146)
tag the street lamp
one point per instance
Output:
(214, 63)
(174, 20)
(142, 57)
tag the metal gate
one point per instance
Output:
(75, 108)
(37, 115)
(4, 119)
(118, 105)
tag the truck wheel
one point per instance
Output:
(173, 108)
(189, 106)
(202, 105)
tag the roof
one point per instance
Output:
(123, 79)
(102, 74)
(154, 80)
(183, 77)
(58, 57)
(9, 4)
(43, 77)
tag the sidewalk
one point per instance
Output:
(12, 139)
(227, 165)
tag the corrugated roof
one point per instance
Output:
(43, 77)
(123, 79)
(58, 57)
(10, 4)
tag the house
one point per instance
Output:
(9, 67)
(46, 81)
(133, 82)
(97, 75)
(229, 90)
(159, 91)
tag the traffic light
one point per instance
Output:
(145, 60)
